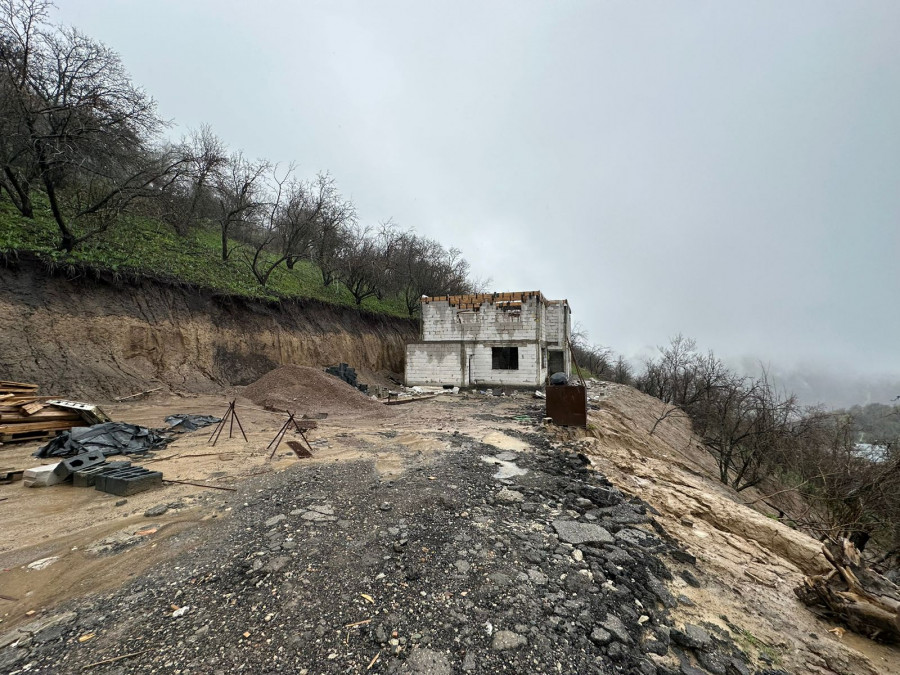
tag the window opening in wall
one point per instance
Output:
(557, 361)
(504, 358)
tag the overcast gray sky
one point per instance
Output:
(729, 170)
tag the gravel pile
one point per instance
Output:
(303, 389)
(330, 569)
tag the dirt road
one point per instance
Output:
(457, 535)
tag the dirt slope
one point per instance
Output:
(750, 562)
(89, 338)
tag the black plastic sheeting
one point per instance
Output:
(181, 422)
(111, 438)
(559, 379)
(348, 375)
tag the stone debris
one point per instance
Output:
(508, 496)
(506, 639)
(42, 563)
(692, 637)
(156, 511)
(427, 662)
(322, 513)
(322, 568)
(41, 476)
(573, 532)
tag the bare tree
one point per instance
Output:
(417, 270)
(19, 23)
(18, 169)
(851, 493)
(264, 230)
(423, 267)
(336, 217)
(621, 371)
(305, 209)
(239, 196)
(359, 261)
(86, 125)
(599, 361)
(206, 156)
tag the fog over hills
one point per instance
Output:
(815, 384)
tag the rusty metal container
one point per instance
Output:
(567, 405)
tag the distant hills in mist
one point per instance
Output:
(814, 385)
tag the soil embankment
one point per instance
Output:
(99, 339)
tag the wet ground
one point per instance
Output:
(459, 536)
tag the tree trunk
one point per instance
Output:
(859, 539)
(67, 242)
(867, 602)
(19, 193)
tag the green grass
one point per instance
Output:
(748, 642)
(144, 247)
(584, 372)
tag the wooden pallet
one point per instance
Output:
(47, 415)
(10, 475)
(27, 436)
(48, 425)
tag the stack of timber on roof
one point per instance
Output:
(25, 416)
(490, 339)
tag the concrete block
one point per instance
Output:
(129, 481)
(41, 476)
(88, 477)
(83, 461)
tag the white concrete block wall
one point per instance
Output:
(529, 374)
(441, 323)
(551, 333)
(433, 364)
(557, 319)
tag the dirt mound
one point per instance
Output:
(303, 389)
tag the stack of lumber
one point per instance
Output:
(25, 416)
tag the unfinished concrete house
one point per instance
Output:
(490, 339)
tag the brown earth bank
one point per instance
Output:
(101, 338)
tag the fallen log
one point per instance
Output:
(864, 600)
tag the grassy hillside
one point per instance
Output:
(150, 248)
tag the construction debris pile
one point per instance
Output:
(84, 451)
(92, 470)
(82, 436)
(25, 416)
(110, 438)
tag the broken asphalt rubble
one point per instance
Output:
(474, 573)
